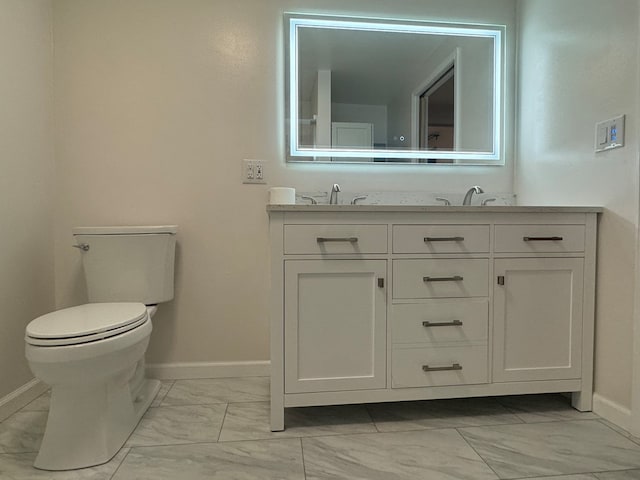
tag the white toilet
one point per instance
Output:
(92, 355)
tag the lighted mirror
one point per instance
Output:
(364, 90)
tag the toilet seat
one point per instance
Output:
(85, 323)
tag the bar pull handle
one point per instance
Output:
(500, 279)
(454, 323)
(443, 239)
(455, 366)
(381, 282)
(455, 278)
(337, 239)
(542, 239)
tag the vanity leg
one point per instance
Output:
(277, 415)
(582, 401)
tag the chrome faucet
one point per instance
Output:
(469, 194)
(333, 199)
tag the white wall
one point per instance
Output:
(578, 64)
(26, 179)
(157, 102)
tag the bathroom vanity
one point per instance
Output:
(375, 303)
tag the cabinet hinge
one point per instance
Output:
(381, 282)
(500, 279)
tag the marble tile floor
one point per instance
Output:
(219, 429)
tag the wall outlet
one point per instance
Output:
(253, 171)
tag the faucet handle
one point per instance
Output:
(359, 197)
(446, 202)
(310, 198)
(487, 200)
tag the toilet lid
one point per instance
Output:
(85, 323)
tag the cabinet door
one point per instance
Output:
(537, 319)
(335, 325)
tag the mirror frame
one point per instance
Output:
(297, 153)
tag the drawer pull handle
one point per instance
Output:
(443, 239)
(337, 239)
(455, 366)
(454, 323)
(542, 239)
(455, 278)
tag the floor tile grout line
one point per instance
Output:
(619, 433)
(450, 427)
(304, 465)
(120, 464)
(213, 378)
(320, 435)
(476, 452)
(22, 412)
(562, 475)
(173, 382)
(570, 420)
(616, 471)
(224, 417)
(18, 453)
(209, 403)
(131, 447)
(373, 422)
(348, 434)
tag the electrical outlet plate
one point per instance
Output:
(610, 134)
(253, 171)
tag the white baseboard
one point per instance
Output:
(182, 371)
(612, 411)
(11, 403)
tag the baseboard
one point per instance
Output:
(182, 371)
(612, 411)
(14, 401)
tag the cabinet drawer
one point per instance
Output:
(440, 278)
(539, 238)
(440, 238)
(334, 239)
(440, 322)
(453, 366)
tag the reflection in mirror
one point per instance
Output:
(362, 90)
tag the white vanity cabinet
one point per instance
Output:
(381, 303)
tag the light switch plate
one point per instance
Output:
(610, 134)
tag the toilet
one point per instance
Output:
(92, 355)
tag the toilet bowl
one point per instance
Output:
(92, 356)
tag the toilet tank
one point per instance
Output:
(128, 264)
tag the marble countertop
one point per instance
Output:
(434, 208)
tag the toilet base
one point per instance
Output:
(88, 424)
